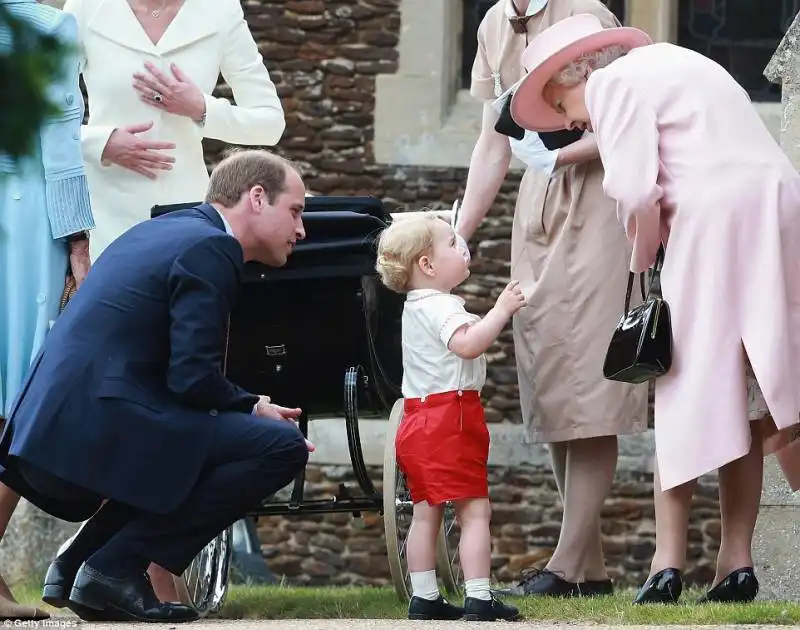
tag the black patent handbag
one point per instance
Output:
(641, 346)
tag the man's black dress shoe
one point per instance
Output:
(57, 586)
(664, 587)
(593, 588)
(489, 610)
(58, 583)
(739, 586)
(126, 599)
(433, 609)
(544, 582)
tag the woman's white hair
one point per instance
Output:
(575, 72)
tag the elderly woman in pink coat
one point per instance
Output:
(692, 166)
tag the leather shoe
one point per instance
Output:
(489, 610)
(739, 586)
(664, 587)
(433, 609)
(57, 586)
(544, 582)
(124, 599)
(593, 588)
(58, 583)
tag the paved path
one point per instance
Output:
(350, 624)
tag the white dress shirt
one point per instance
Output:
(430, 318)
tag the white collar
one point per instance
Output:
(534, 7)
(227, 225)
(420, 294)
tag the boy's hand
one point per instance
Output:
(511, 299)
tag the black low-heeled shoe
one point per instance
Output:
(664, 587)
(739, 586)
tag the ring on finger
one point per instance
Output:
(157, 97)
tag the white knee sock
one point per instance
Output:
(478, 588)
(424, 585)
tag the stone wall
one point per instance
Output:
(323, 56)
(337, 549)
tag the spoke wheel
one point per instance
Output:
(448, 562)
(204, 584)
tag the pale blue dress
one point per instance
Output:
(43, 199)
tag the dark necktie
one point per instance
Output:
(519, 23)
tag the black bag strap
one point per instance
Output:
(655, 281)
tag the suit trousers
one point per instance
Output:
(250, 458)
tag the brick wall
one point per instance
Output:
(323, 56)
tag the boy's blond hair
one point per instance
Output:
(401, 245)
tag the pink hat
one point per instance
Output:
(553, 49)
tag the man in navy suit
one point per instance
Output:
(127, 400)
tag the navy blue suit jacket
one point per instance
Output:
(124, 395)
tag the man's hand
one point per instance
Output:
(265, 409)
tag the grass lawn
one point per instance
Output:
(276, 602)
(298, 603)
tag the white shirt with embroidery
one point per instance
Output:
(430, 318)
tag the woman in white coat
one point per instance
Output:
(149, 67)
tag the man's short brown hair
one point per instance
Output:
(241, 170)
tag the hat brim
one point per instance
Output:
(528, 107)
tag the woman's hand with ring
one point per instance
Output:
(176, 94)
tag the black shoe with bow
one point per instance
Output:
(124, 599)
(664, 587)
(433, 609)
(545, 583)
(489, 610)
(739, 586)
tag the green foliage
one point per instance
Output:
(33, 61)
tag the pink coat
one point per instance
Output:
(689, 161)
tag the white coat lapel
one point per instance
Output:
(196, 20)
(114, 20)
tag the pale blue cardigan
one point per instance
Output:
(68, 206)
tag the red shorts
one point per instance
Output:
(442, 447)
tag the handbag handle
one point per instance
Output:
(655, 281)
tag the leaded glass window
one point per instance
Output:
(740, 35)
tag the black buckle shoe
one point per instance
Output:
(433, 609)
(545, 583)
(595, 588)
(489, 610)
(739, 586)
(126, 599)
(664, 587)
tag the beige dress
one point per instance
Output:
(570, 254)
